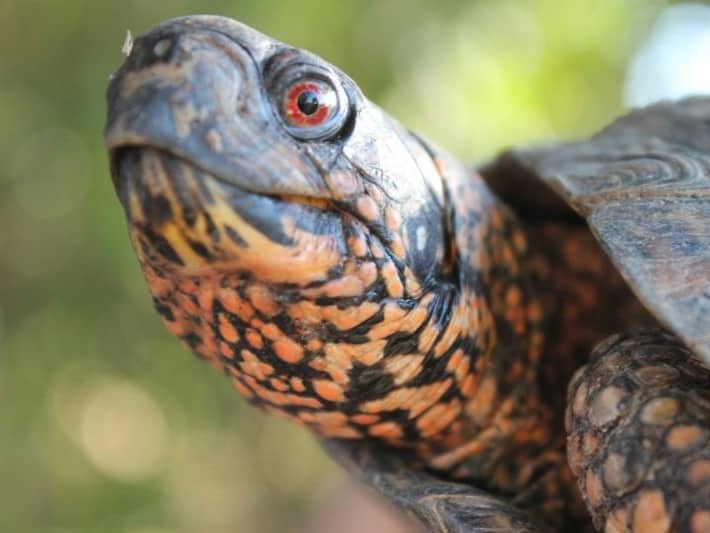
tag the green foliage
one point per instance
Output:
(106, 423)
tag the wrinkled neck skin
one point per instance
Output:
(501, 425)
(422, 336)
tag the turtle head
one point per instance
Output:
(289, 230)
(232, 151)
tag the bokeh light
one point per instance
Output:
(107, 423)
(122, 431)
(673, 61)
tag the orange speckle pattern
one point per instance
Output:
(363, 316)
(386, 430)
(328, 390)
(254, 339)
(288, 351)
(227, 330)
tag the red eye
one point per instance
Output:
(309, 103)
(310, 100)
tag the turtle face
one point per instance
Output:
(233, 152)
(289, 231)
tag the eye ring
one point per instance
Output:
(309, 101)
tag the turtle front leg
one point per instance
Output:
(441, 506)
(638, 422)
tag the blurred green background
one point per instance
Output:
(106, 423)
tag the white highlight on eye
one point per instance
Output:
(127, 47)
(421, 238)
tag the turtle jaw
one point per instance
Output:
(187, 221)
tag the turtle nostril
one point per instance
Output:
(147, 51)
(162, 48)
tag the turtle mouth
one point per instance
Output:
(122, 176)
(185, 219)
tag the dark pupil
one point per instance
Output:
(308, 102)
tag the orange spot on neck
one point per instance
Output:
(328, 390)
(288, 351)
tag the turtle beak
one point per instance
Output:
(197, 94)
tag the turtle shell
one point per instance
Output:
(643, 186)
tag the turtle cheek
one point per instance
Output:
(187, 221)
(288, 243)
(167, 204)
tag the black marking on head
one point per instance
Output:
(157, 209)
(189, 215)
(162, 246)
(200, 249)
(165, 311)
(212, 230)
(235, 236)
(192, 339)
(263, 213)
(187, 198)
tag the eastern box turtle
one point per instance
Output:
(350, 276)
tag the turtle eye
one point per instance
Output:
(312, 106)
(309, 103)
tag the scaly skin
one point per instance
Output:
(639, 420)
(447, 371)
(353, 278)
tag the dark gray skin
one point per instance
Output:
(642, 185)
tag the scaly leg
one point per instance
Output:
(638, 422)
